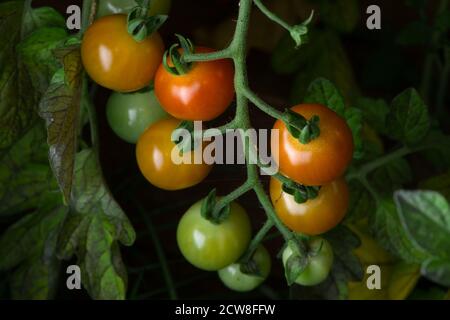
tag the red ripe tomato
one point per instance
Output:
(203, 93)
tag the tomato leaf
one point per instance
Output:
(437, 270)
(389, 232)
(374, 112)
(21, 81)
(408, 120)
(361, 202)
(322, 91)
(28, 249)
(60, 107)
(93, 229)
(25, 175)
(353, 117)
(425, 215)
(392, 176)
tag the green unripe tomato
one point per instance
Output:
(107, 7)
(129, 114)
(319, 262)
(210, 246)
(235, 279)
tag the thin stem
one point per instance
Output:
(262, 105)
(159, 251)
(381, 161)
(89, 10)
(216, 55)
(270, 211)
(224, 201)
(257, 239)
(92, 113)
(272, 16)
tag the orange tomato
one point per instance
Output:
(323, 159)
(315, 216)
(203, 93)
(116, 61)
(154, 157)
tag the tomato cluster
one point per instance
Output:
(150, 101)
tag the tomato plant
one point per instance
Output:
(202, 93)
(115, 60)
(233, 277)
(319, 262)
(130, 114)
(320, 161)
(367, 175)
(154, 157)
(315, 216)
(211, 246)
(108, 7)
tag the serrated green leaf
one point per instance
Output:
(408, 120)
(426, 217)
(389, 232)
(322, 91)
(28, 247)
(60, 108)
(361, 202)
(392, 176)
(43, 17)
(92, 231)
(437, 270)
(374, 112)
(25, 175)
(354, 119)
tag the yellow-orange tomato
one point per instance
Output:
(315, 216)
(116, 61)
(203, 93)
(154, 156)
(323, 159)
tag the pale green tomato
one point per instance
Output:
(319, 264)
(236, 280)
(129, 114)
(107, 7)
(210, 246)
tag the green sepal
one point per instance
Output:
(209, 209)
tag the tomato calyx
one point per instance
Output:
(211, 211)
(140, 25)
(179, 67)
(185, 137)
(300, 192)
(299, 33)
(300, 128)
(250, 267)
(296, 263)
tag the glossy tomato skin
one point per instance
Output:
(130, 114)
(114, 60)
(234, 279)
(154, 157)
(315, 216)
(319, 265)
(210, 246)
(108, 7)
(203, 93)
(320, 161)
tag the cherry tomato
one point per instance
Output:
(235, 279)
(154, 156)
(320, 261)
(116, 61)
(320, 161)
(203, 93)
(210, 246)
(108, 7)
(315, 216)
(129, 114)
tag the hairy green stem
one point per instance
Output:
(216, 55)
(257, 239)
(224, 201)
(261, 104)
